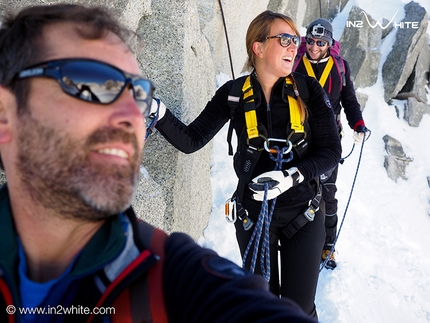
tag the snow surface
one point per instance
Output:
(383, 272)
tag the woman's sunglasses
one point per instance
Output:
(320, 43)
(286, 39)
(93, 81)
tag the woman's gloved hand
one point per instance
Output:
(278, 182)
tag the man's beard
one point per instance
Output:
(56, 171)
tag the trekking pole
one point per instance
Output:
(347, 204)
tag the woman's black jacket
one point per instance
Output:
(324, 151)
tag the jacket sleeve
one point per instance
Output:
(192, 137)
(326, 149)
(199, 286)
(349, 101)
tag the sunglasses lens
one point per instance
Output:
(100, 83)
(286, 40)
(91, 81)
(143, 95)
(320, 43)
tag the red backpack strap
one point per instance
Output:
(300, 52)
(155, 278)
(297, 61)
(8, 300)
(340, 66)
(144, 299)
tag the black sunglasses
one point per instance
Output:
(320, 43)
(93, 81)
(286, 39)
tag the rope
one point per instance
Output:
(263, 223)
(226, 38)
(343, 158)
(346, 208)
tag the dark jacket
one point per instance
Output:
(197, 285)
(340, 96)
(324, 146)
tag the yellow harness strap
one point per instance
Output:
(295, 117)
(250, 115)
(325, 73)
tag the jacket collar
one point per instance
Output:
(107, 243)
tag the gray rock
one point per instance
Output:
(415, 88)
(304, 12)
(362, 99)
(395, 161)
(359, 46)
(409, 42)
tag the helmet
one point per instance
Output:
(320, 28)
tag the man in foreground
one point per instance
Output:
(72, 129)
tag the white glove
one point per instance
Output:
(361, 133)
(278, 181)
(358, 137)
(159, 106)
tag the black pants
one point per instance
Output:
(296, 276)
(329, 189)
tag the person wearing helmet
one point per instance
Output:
(318, 56)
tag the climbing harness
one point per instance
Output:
(234, 210)
(349, 199)
(255, 138)
(325, 73)
(263, 223)
(306, 216)
(257, 141)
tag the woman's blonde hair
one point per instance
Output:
(258, 31)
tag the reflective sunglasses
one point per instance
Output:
(286, 39)
(93, 81)
(320, 43)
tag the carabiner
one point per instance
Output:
(230, 211)
(290, 145)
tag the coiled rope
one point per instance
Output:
(263, 223)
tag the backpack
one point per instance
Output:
(143, 299)
(334, 52)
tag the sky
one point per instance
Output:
(383, 272)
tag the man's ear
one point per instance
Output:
(7, 113)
